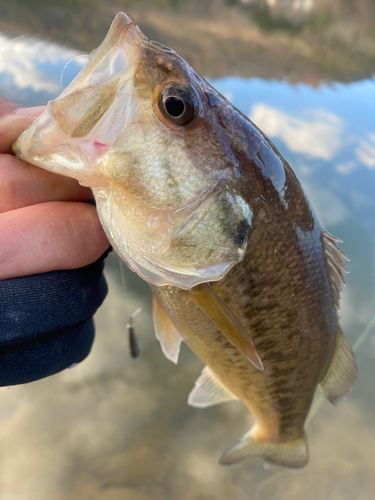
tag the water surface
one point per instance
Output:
(116, 428)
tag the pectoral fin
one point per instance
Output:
(226, 321)
(165, 332)
(209, 391)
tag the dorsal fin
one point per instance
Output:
(335, 259)
(209, 391)
(165, 331)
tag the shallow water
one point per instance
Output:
(117, 428)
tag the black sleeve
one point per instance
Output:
(46, 321)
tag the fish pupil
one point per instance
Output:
(178, 104)
(174, 106)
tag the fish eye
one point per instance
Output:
(178, 104)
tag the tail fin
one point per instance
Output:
(293, 454)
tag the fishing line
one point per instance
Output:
(276, 482)
(133, 343)
(66, 65)
(357, 344)
(122, 274)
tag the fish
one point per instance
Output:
(198, 202)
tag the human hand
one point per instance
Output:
(45, 224)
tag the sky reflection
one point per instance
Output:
(30, 69)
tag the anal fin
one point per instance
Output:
(341, 372)
(209, 391)
(165, 331)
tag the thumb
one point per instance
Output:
(14, 119)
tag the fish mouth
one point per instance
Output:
(118, 51)
(108, 75)
(91, 111)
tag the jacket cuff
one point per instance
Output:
(45, 321)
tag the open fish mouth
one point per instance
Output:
(103, 87)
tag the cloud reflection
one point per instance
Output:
(33, 64)
(318, 135)
(346, 167)
(365, 152)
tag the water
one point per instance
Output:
(118, 428)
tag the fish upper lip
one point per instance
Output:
(123, 35)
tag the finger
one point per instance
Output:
(49, 237)
(14, 119)
(22, 184)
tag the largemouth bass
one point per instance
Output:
(198, 201)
